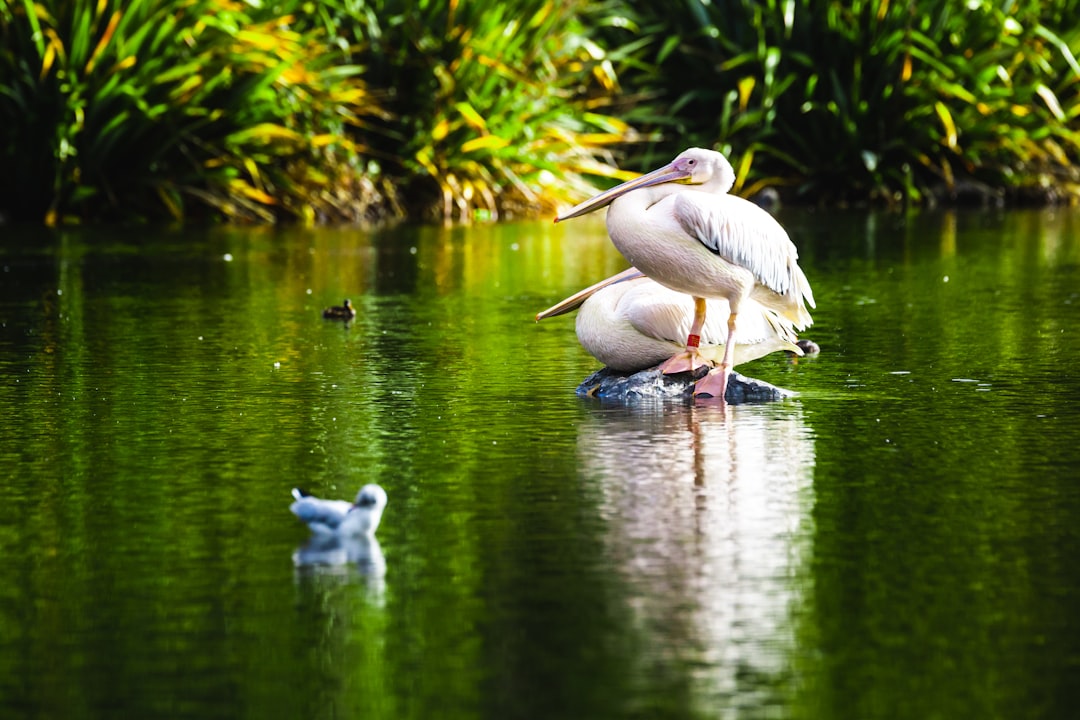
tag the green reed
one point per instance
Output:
(871, 99)
(497, 109)
(172, 108)
(349, 110)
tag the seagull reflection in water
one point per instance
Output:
(334, 551)
(708, 523)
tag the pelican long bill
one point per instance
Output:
(668, 173)
(574, 301)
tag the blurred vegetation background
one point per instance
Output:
(371, 110)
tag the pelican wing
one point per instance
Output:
(664, 314)
(657, 312)
(783, 329)
(746, 236)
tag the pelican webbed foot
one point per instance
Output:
(714, 384)
(688, 360)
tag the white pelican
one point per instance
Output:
(679, 226)
(629, 323)
(338, 517)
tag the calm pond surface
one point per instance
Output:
(902, 540)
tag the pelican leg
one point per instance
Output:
(715, 383)
(691, 359)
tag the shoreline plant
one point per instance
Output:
(353, 111)
(495, 110)
(121, 110)
(875, 100)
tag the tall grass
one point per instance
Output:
(496, 108)
(870, 99)
(173, 108)
(345, 110)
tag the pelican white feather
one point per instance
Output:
(629, 323)
(679, 226)
(745, 235)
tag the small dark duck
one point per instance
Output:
(340, 312)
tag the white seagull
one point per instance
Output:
(341, 518)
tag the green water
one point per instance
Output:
(900, 541)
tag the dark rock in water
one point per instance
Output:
(608, 384)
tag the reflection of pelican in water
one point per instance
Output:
(630, 322)
(710, 509)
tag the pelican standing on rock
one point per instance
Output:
(679, 226)
(631, 323)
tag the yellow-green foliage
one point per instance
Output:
(116, 109)
(497, 107)
(855, 100)
(348, 110)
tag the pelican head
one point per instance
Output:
(705, 170)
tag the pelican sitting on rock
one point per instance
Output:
(679, 226)
(338, 517)
(630, 323)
